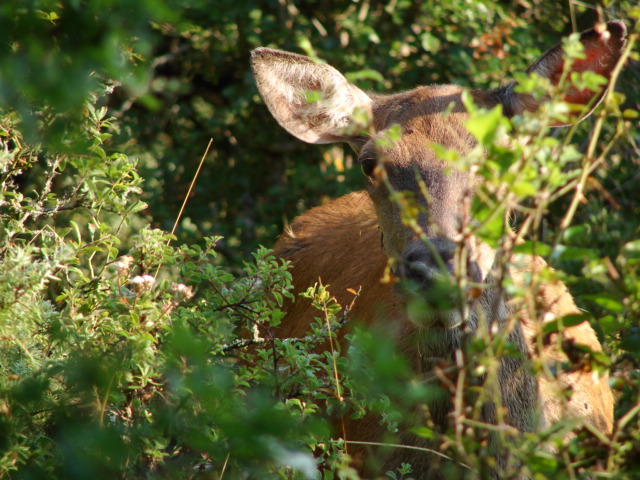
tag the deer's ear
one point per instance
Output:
(603, 46)
(312, 101)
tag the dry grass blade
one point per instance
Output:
(188, 195)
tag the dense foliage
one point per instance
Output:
(130, 352)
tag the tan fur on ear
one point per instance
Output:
(284, 80)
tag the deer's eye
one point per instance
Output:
(368, 166)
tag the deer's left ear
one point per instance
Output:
(603, 46)
(310, 100)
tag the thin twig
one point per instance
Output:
(409, 447)
(224, 467)
(186, 198)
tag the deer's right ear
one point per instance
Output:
(312, 101)
(603, 46)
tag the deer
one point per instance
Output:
(349, 243)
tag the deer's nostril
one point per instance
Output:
(419, 272)
(421, 262)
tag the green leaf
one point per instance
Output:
(445, 153)
(485, 125)
(524, 189)
(608, 302)
(609, 324)
(576, 233)
(430, 43)
(543, 462)
(533, 248)
(492, 223)
(138, 207)
(572, 46)
(366, 74)
(631, 344)
(423, 432)
(564, 253)
(632, 249)
(558, 324)
(587, 80)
